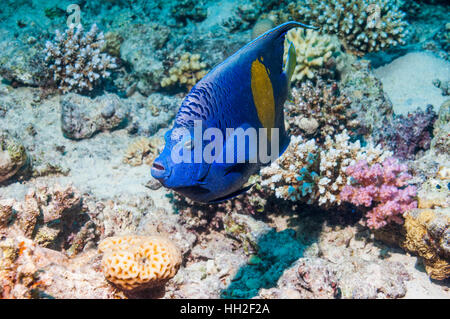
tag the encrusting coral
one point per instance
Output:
(384, 186)
(362, 25)
(427, 235)
(139, 262)
(186, 72)
(313, 51)
(76, 59)
(426, 228)
(316, 174)
(318, 111)
(141, 151)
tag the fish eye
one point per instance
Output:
(189, 145)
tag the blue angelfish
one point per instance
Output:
(244, 93)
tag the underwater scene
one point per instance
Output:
(225, 149)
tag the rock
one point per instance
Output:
(369, 102)
(21, 62)
(12, 157)
(141, 50)
(411, 87)
(154, 113)
(82, 117)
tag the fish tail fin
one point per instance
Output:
(291, 62)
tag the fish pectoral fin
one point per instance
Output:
(291, 62)
(236, 168)
(232, 195)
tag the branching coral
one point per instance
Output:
(75, 59)
(406, 135)
(361, 25)
(294, 175)
(313, 51)
(186, 72)
(318, 111)
(139, 262)
(315, 174)
(384, 186)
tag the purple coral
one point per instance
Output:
(383, 187)
(406, 135)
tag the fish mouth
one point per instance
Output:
(159, 171)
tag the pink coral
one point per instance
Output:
(383, 187)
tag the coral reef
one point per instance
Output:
(384, 186)
(30, 271)
(267, 266)
(313, 51)
(22, 62)
(12, 157)
(186, 72)
(407, 135)
(52, 216)
(318, 111)
(343, 262)
(189, 9)
(76, 60)
(315, 174)
(139, 262)
(292, 235)
(362, 26)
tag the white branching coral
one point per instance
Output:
(312, 49)
(338, 154)
(76, 59)
(313, 174)
(362, 25)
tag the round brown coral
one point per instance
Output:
(139, 262)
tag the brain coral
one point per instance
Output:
(139, 262)
(361, 25)
(312, 49)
